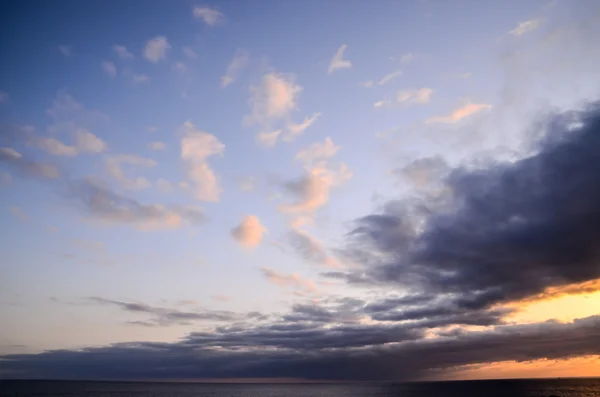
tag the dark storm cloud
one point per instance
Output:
(303, 351)
(165, 317)
(502, 233)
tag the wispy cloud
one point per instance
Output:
(189, 53)
(293, 281)
(115, 167)
(460, 113)
(196, 148)
(157, 145)
(313, 155)
(140, 78)
(84, 142)
(268, 139)
(122, 52)
(18, 213)
(109, 68)
(26, 166)
(338, 61)
(209, 16)
(235, 67)
(249, 232)
(525, 27)
(408, 58)
(295, 130)
(414, 97)
(66, 50)
(383, 81)
(156, 49)
(310, 249)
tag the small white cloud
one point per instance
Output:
(122, 52)
(298, 129)
(66, 50)
(196, 148)
(388, 77)
(156, 49)
(274, 98)
(209, 16)
(250, 232)
(180, 67)
(115, 166)
(85, 141)
(368, 84)
(407, 58)
(157, 145)
(525, 27)
(55, 147)
(109, 68)
(338, 61)
(414, 97)
(188, 52)
(380, 104)
(140, 78)
(268, 139)
(235, 67)
(460, 113)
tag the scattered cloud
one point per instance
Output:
(18, 213)
(274, 98)
(408, 58)
(122, 52)
(460, 113)
(196, 148)
(293, 281)
(180, 67)
(115, 167)
(525, 27)
(296, 130)
(209, 16)
(156, 49)
(247, 183)
(99, 202)
(189, 53)
(84, 142)
(268, 139)
(27, 167)
(250, 232)
(313, 155)
(157, 145)
(4, 97)
(66, 50)
(236, 65)
(140, 78)
(338, 61)
(380, 104)
(414, 97)
(109, 68)
(310, 249)
(383, 81)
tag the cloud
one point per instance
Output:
(140, 78)
(383, 81)
(313, 155)
(236, 65)
(274, 98)
(114, 165)
(309, 248)
(4, 97)
(157, 145)
(414, 97)
(18, 213)
(189, 53)
(525, 27)
(85, 142)
(66, 50)
(249, 233)
(295, 130)
(180, 67)
(505, 232)
(156, 49)
(292, 281)
(408, 58)
(311, 191)
(247, 183)
(209, 16)
(99, 202)
(27, 167)
(380, 104)
(122, 52)
(268, 139)
(109, 68)
(423, 172)
(460, 113)
(165, 317)
(196, 148)
(338, 61)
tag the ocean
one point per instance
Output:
(589, 387)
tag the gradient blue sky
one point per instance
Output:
(385, 83)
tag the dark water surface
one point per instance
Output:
(489, 388)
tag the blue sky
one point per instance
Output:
(212, 156)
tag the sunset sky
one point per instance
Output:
(312, 190)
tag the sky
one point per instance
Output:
(299, 190)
